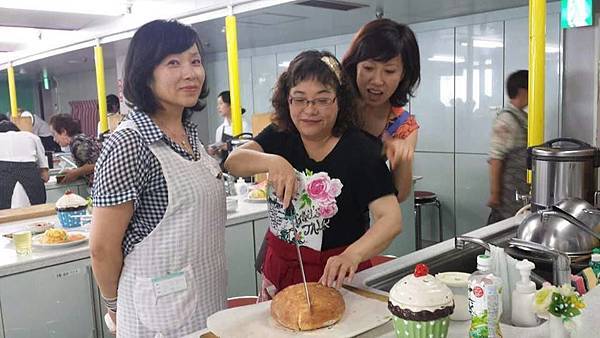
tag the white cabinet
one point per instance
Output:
(57, 301)
(260, 229)
(239, 248)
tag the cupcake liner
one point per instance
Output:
(66, 219)
(417, 329)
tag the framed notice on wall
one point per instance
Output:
(576, 13)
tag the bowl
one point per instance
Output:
(555, 232)
(458, 283)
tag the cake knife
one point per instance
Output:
(290, 215)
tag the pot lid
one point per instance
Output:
(564, 148)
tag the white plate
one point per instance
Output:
(36, 241)
(255, 200)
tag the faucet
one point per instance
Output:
(229, 182)
(561, 263)
(460, 242)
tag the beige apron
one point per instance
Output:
(185, 252)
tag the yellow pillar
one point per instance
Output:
(537, 58)
(234, 76)
(100, 84)
(12, 92)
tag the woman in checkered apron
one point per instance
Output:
(158, 229)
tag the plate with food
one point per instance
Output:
(59, 238)
(256, 196)
(333, 314)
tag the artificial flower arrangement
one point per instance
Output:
(562, 302)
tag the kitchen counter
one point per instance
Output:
(10, 263)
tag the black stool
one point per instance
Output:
(423, 198)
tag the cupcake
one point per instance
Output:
(421, 305)
(69, 207)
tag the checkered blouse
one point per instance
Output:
(128, 171)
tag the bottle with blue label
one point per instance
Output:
(595, 262)
(485, 300)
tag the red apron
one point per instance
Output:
(281, 266)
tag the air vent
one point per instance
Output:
(332, 4)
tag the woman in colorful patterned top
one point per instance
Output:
(84, 149)
(325, 176)
(383, 62)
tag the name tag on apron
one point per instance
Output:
(167, 284)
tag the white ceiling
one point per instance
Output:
(268, 26)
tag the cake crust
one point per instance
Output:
(289, 307)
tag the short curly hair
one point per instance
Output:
(309, 65)
(65, 122)
(383, 40)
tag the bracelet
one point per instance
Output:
(110, 303)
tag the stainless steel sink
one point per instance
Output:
(461, 260)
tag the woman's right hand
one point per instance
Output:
(282, 177)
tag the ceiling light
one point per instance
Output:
(446, 58)
(106, 8)
(487, 44)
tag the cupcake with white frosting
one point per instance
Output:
(69, 207)
(421, 305)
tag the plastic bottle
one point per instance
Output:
(522, 297)
(241, 188)
(595, 262)
(485, 300)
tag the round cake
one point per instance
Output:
(290, 309)
(68, 207)
(421, 305)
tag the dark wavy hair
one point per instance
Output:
(382, 40)
(309, 65)
(149, 46)
(65, 122)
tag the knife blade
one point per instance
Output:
(290, 215)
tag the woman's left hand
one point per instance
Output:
(399, 150)
(339, 269)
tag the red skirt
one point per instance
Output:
(281, 266)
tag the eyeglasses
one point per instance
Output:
(320, 102)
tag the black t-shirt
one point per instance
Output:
(356, 161)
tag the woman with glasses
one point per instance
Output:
(383, 64)
(325, 176)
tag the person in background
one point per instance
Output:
(224, 132)
(159, 203)
(42, 129)
(113, 106)
(383, 63)
(84, 149)
(508, 151)
(23, 167)
(313, 136)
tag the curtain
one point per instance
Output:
(86, 112)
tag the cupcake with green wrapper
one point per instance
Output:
(421, 305)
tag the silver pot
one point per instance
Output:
(562, 168)
(572, 226)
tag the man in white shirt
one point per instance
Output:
(23, 168)
(42, 129)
